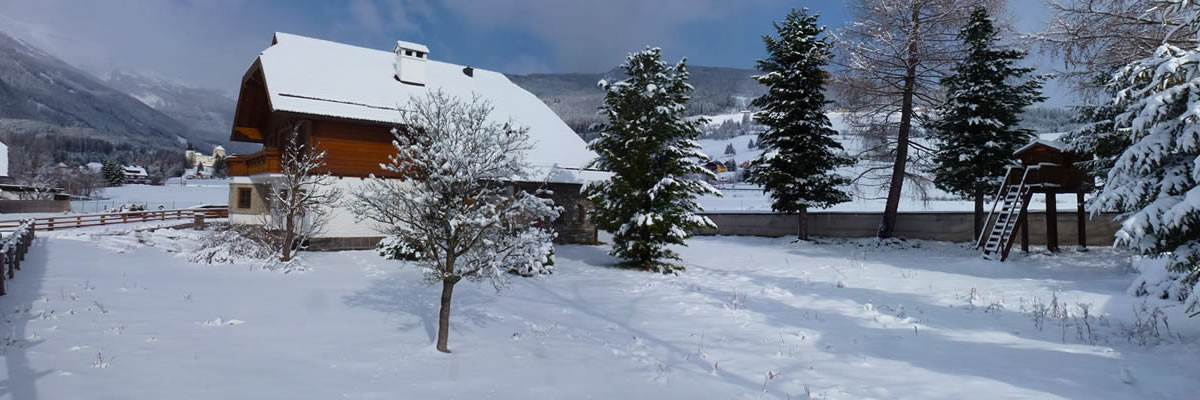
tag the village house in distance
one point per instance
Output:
(347, 99)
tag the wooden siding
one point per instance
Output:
(352, 149)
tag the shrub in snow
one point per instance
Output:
(976, 128)
(651, 149)
(1156, 280)
(228, 246)
(799, 165)
(1154, 180)
(455, 213)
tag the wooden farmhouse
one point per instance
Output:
(347, 99)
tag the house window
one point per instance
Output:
(243, 200)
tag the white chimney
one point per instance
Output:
(410, 62)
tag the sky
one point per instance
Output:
(210, 43)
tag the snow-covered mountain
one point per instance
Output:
(208, 113)
(36, 86)
(575, 97)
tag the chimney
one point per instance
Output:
(410, 62)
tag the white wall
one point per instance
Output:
(342, 223)
(3, 159)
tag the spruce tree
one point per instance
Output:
(648, 145)
(113, 173)
(798, 167)
(1156, 181)
(976, 128)
(1097, 139)
(729, 150)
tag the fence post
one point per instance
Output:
(16, 262)
(51, 224)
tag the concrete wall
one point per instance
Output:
(944, 226)
(34, 206)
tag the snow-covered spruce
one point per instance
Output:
(454, 214)
(651, 150)
(976, 128)
(1154, 181)
(798, 167)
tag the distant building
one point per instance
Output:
(3, 160)
(135, 174)
(194, 157)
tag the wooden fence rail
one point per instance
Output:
(85, 220)
(12, 251)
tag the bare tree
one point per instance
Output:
(301, 201)
(36, 173)
(1100, 36)
(894, 54)
(456, 213)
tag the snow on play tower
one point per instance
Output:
(1047, 168)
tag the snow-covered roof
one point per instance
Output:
(320, 77)
(134, 170)
(1054, 144)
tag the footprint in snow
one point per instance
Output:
(222, 322)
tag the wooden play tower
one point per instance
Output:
(1047, 168)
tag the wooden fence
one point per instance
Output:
(85, 220)
(13, 247)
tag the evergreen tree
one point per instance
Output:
(750, 145)
(798, 167)
(1098, 139)
(651, 150)
(729, 150)
(1155, 179)
(220, 167)
(976, 128)
(113, 173)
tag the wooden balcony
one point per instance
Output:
(263, 162)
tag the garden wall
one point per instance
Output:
(34, 206)
(944, 226)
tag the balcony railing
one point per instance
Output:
(263, 162)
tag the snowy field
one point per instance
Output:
(866, 198)
(114, 313)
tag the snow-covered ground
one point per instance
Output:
(123, 315)
(190, 193)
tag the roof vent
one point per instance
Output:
(410, 62)
(468, 71)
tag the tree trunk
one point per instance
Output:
(444, 315)
(288, 237)
(896, 186)
(978, 212)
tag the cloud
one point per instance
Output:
(594, 35)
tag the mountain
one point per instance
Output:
(37, 86)
(206, 113)
(575, 96)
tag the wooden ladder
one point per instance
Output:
(999, 232)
